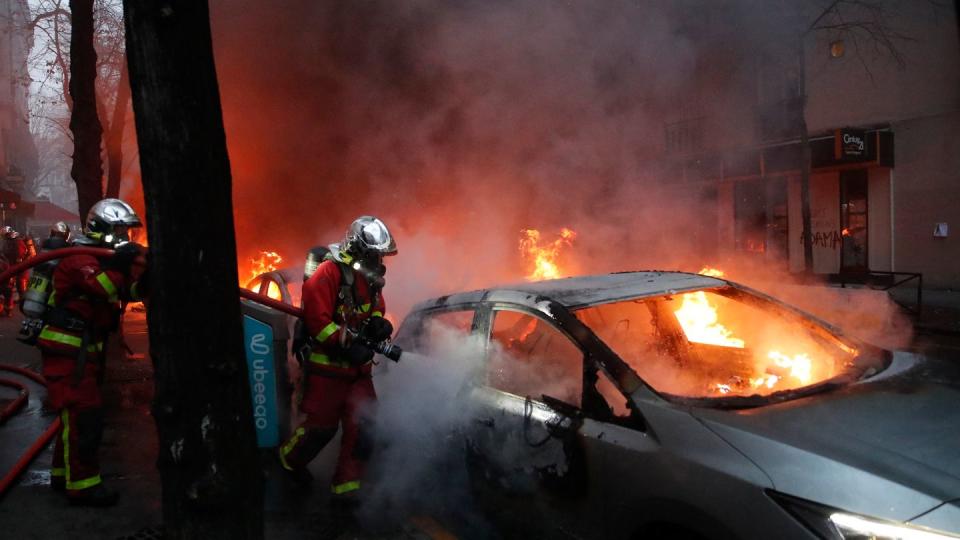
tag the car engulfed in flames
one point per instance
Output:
(678, 405)
(731, 349)
(776, 357)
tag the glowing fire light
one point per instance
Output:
(711, 272)
(543, 258)
(700, 323)
(267, 261)
(845, 232)
(798, 364)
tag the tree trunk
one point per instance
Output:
(87, 171)
(114, 140)
(208, 458)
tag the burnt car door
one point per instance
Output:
(526, 451)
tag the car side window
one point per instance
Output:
(429, 332)
(528, 356)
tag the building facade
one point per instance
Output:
(882, 124)
(18, 155)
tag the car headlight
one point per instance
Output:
(833, 524)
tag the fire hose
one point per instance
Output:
(24, 393)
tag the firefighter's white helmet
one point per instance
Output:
(368, 238)
(109, 220)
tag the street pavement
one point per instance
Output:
(31, 509)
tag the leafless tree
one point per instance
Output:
(50, 67)
(869, 26)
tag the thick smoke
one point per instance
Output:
(459, 123)
(417, 467)
(462, 122)
(426, 419)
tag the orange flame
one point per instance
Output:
(267, 261)
(712, 272)
(700, 322)
(543, 258)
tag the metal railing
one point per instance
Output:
(882, 280)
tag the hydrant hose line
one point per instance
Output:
(24, 393)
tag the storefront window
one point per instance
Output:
(853, 220)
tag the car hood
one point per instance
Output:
(887, 446)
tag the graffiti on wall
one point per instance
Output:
(831, 239)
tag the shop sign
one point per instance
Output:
(850, 144)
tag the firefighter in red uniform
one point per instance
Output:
(15, 251)
(343, 313)
(84, 309)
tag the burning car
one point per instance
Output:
(674, 405)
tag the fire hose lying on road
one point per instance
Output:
(23, 392)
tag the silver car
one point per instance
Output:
(673, 405)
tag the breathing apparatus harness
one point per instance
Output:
(40, 309)
(347, 298)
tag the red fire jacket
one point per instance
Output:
(325, 315)
(91, 294)
(15, 250)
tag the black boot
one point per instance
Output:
(298, 477)
(97, 495)
(58, 483)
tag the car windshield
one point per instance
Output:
(722, 343)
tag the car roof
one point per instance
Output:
(582, 291)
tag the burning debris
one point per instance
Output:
(543, 259)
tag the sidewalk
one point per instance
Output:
(940, 313)
(31, 510)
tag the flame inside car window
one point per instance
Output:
(718, 343)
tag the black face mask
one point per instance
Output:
(373, 270)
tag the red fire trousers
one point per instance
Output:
(329, 401)
(81, 411)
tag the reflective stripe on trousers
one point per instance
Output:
(345, 487)
(73, 484)
(288, 447)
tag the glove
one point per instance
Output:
(376, 330)
(358, 353)
(124, 256)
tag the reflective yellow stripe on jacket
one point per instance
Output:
(327, 331)
(113, 294)
(321, 359)
(359, 309)
(66, 339)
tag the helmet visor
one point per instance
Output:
(377, 238)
